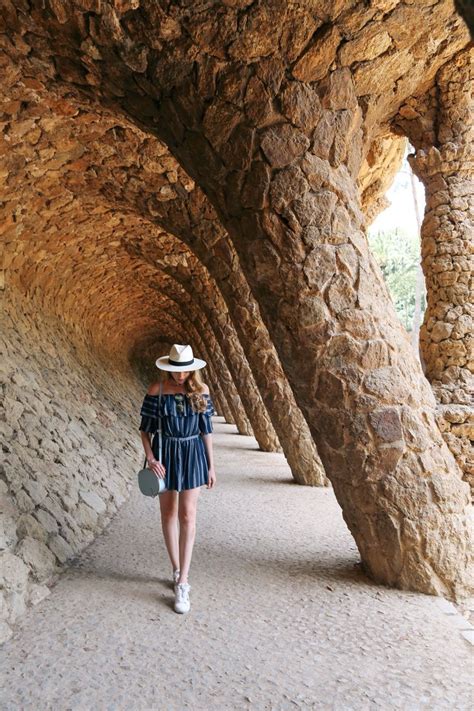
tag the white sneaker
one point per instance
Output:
(175, 579)
(182, 603)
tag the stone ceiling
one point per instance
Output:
(67, 162)
(175, 168)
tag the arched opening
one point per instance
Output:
(395, 240)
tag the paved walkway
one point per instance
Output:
(281, 616)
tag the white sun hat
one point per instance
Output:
(180, 358)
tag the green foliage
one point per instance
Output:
(398, 255)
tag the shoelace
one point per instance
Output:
(182, 592)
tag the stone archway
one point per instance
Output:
(274, 128)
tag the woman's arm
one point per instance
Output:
(210, 460)
(207, 439)
(153, 463)
(146, 441)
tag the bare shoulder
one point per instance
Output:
(205, 389)
(154, 389)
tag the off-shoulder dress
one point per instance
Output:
(183, 452)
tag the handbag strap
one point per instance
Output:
(159, 429)
(159, 424)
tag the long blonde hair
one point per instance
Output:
(193, 386)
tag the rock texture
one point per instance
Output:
(69, 446)
(178, 207)
(273, 133)
(382, 162)
(74, 276)
(440, 126)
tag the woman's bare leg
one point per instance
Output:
(169, 524)
(187, 529)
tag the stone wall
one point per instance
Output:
(70, 447)
(273, 128)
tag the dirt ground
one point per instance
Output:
(281, 615)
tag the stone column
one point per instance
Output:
(220, 372)
(216, 251)
(446, 338)
(219, 398)
(217, 324)
(225, 408)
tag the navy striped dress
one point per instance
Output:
(183, 452)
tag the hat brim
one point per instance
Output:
(164, 364)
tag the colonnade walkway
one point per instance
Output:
(281, 617)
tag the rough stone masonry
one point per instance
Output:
(201, 170)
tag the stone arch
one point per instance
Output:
(105, 165)
(381, 163)
(274, 128)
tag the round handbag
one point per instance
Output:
(150, 484)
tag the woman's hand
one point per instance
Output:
(212, 478)
(157, 467)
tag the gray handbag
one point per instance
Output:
(151, 484)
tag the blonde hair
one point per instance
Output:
(193, 386)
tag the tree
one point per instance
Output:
(398, 254)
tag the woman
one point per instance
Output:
(187, 456)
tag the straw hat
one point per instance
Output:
(180, 358)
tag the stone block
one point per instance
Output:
(282, 144)
(38, 558)
(300, 104)
(386, 424)
(86, 517)
(29, 526)
(5, 631)
(38, 593)
(60, 547)
(13, 572)
(45, 519)
(315, 62)
(36, 491)
(93, 500)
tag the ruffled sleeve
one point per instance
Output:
(149, 414)
(205, 422)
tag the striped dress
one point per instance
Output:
(183, 452)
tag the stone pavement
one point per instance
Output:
(281, 617)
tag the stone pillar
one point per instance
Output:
(381, 164)
(290, 425)
(236, 410)
(220, 399)
(446, 338)
(220, 371)
(217, 323)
